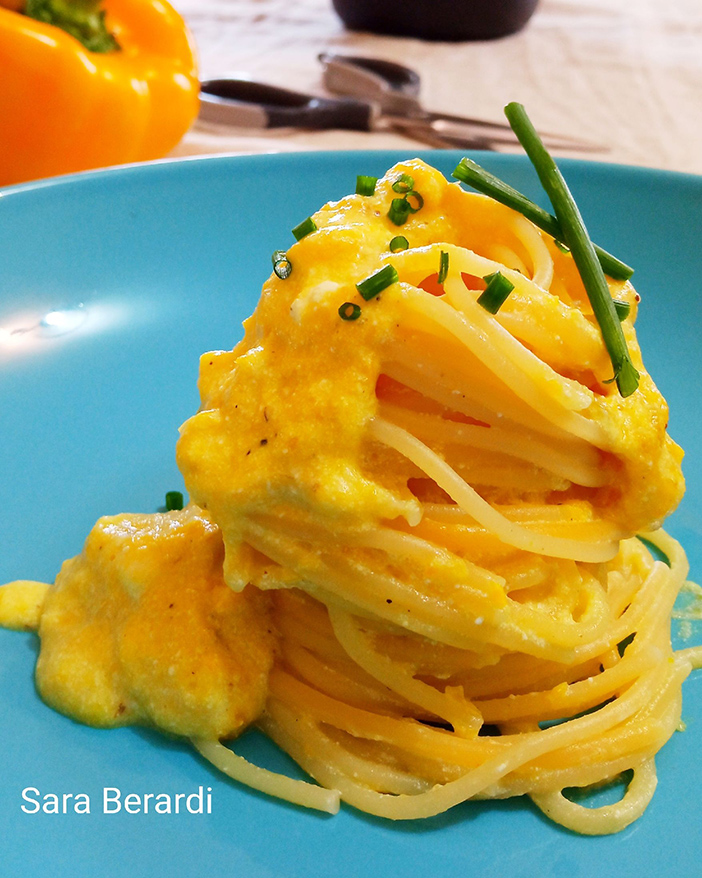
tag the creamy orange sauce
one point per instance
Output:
(141, 628)
(155, 623)
(284, 417)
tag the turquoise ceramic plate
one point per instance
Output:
(111, 285)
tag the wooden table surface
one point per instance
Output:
(624, 73)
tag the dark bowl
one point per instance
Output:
(450, 20)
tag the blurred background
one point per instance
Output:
(625, 74)
(93, 83)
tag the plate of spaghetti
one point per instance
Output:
(399, 577)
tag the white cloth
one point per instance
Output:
(623, 73)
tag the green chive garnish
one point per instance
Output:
(174, 500)
(350, 311)
(562, 247)
(577, 238)
(414, 201)
(399, 242)
(471, 173)
(283, 269)
(495, 293)
(399, 211)
(404, 183)
(282, 266)
(443, 266)
(365, 185)
(304, 228)
(401, 208)
(622, 308)
(377, 282)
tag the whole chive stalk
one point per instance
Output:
(443, 266)
(474, 175)
(377, 282)
(304, 228)
(174, 500)
(365, 185)
(577, 238)
(495, 293)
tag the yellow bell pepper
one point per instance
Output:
(64, 108)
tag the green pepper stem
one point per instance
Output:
(82, 19)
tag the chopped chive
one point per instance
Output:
(399, 211)
(471, 173)
(495, 293)
(377, 282)
(399, 242)
(174, 500)
(404, 183)
(283, 269)
(418, 201)
(443, 266)
(622, 308)
(350, 311)
(365, 185)
(282, 266)
(561, 246)
(304, 228)
(577, 238)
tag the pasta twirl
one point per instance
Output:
(428, 519)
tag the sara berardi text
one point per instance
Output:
(114, 801)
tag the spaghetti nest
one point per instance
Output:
(423, 551)
(444, 504)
